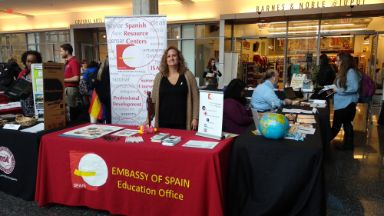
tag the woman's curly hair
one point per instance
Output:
(164, 70)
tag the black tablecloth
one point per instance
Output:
(24, 147)
(278, 177)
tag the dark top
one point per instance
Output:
(210, 73)
(237, 118)
(326, 75)
(173, 103)
(27, 104)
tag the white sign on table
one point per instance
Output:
(135, 47)
(211, 114)
(38, 89)
(298, 81)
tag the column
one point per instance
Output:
(145, 7)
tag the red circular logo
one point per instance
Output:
(7, 161)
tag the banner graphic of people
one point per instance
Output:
(135, 47)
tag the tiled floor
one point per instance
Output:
(355, 181)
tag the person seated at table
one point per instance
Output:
(237, 118)
(264, 97)
(28, 58)
(175, 93)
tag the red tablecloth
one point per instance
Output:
(142, 179)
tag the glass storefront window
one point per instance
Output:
(188, 31)
(174, 43)
(344, 26)
(173, 32)
(228, 30)
(305, 27)
(207, 30)
(205, 49)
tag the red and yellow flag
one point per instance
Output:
(95, 108)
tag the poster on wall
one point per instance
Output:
(211, 114)
(135, 48)
(38, 90)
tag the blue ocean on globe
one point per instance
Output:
(273, 125)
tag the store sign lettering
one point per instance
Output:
(308, 5)
(89, 21)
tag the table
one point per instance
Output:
(133, 179)
(18, 162)
(278, 177)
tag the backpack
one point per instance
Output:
(91, 80)
(367, 86)
(6, 75)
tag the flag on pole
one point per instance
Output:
(96, 108)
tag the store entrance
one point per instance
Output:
(257, 55)
(90, 44)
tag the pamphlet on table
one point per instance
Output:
(91, 131)
(200, 144)
(126, 132)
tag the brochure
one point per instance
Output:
(126, 132)
(201, 144)
(91, 131)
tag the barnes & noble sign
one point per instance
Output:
(308, 5)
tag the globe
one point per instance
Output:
(273, 125)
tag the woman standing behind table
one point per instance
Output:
(28, 58)
(237, 118)
(211, 72)
(326, 74)
(345, 99)
(175, 93)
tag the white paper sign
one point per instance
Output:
(11, 126)
(297, 81)
(211, 114)
(38, 89)
(135, 47)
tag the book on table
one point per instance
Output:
(159, 137)
(171, 141)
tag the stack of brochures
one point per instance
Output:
(159, 137)
(171, 141)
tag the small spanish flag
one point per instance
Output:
(96, 108)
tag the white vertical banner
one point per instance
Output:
(211, 114)
(135, 48)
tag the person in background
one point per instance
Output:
(175, 93)
(237, 118)
(103, 89)
(28, 58)
(71, 81)
(326, 74)
(345, 99)
(12, 63)
(264, 97)
(87, 82)
(211, 72)
(84, 66)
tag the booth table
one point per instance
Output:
(133, 178)
(18, 165)
(278, 177)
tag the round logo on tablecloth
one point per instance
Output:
(93, 170)
(7, 161)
